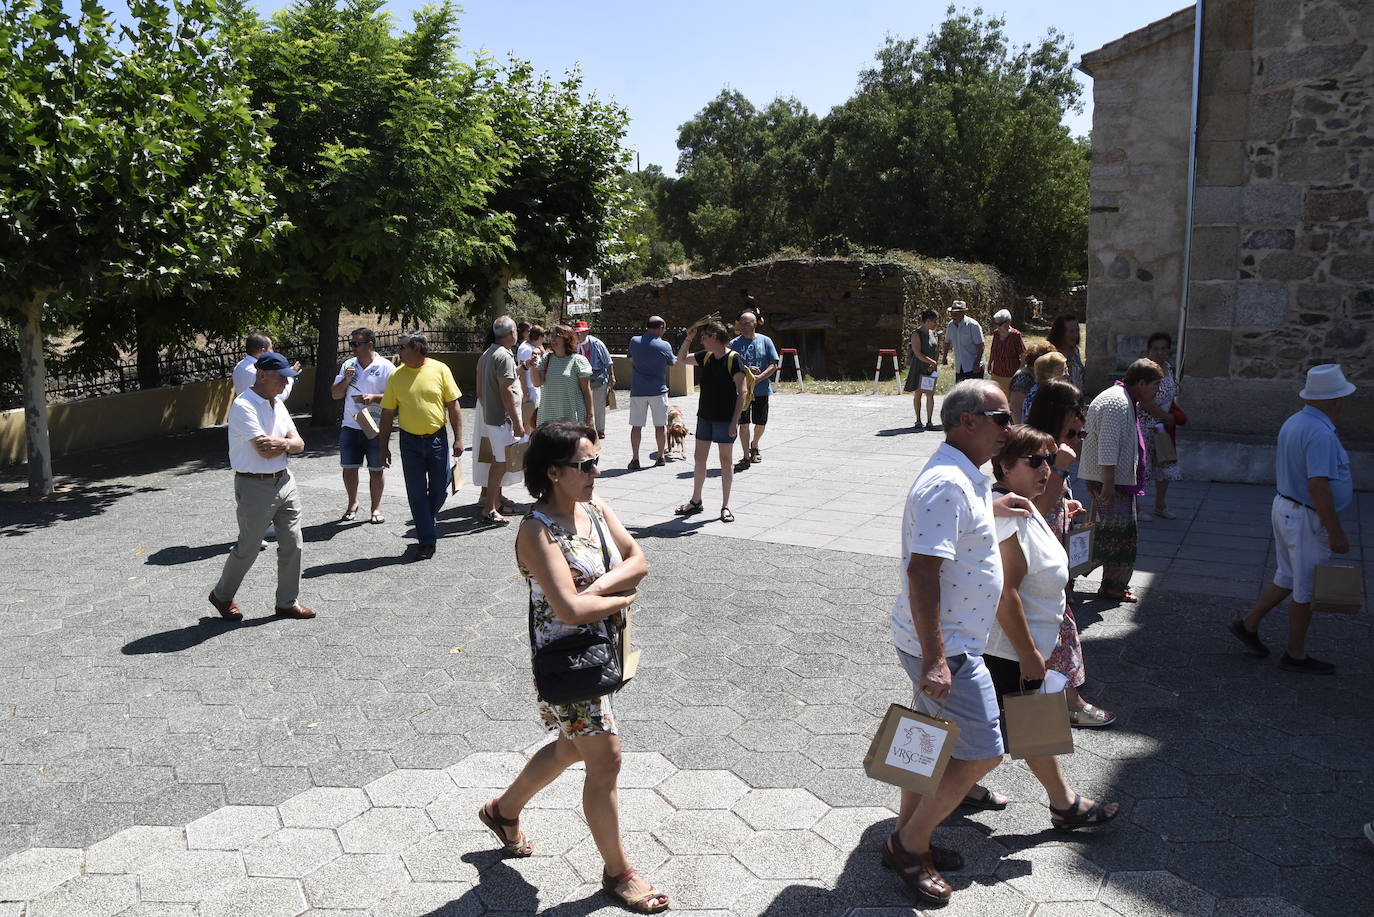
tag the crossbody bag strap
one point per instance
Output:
(606, 565)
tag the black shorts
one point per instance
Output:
(757, 412)
(1006, 676)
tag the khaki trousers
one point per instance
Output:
(261, 501)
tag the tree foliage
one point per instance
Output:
(130, 169)
(952, 146)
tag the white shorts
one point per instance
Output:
(501, 438)
(641, 405)
(1300, 541)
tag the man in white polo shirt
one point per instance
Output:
(261, 435)
(359, 385)
(245, 370)
(950, 586)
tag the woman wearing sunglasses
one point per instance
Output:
(1059, 412)
(582, 567)
(1035, 570)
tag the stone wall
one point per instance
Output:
(837, 312)
(1282, 271)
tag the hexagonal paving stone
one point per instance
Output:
(701, 831)
(355, 880)
(703, 789)
(1258, 907)
(133, 848)
(642, 810)
(494, 769)
(644, 769)
(323, 807)
(779, 769)
(88, 896)
(291, 853)
(231, 827)
(790, 855)
(1141, 894)
(37, 871)
(845, 828)
(189, 875)
(433, 899)
(447, 856)
(526, 886)
(408, 788)
(647, 855)
(780, 809)
(702, 882)
(259, 897)
(385, 830)
(1182, 819)
(1283, 843)
(1057, 874)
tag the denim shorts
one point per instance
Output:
(354, 447)
(971, 705)
(714, 431)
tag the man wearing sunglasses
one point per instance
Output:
(950, 585)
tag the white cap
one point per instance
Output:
(1325, 383)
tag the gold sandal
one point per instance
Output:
(635, 893)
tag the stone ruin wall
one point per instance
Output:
(859, 306)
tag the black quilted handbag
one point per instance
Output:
(580, 666)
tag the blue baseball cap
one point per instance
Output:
(276, 363)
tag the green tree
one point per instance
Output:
(384, 161)
(565, 198)
(128, 168)
(748, 180)
(955, 147)
(652, 253)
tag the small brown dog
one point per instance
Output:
(677, 432)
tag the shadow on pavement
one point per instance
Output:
(74, 500)
(183, 638)
(184, 554)
(359, 565)
(898, 431)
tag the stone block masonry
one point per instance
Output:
(837, 312)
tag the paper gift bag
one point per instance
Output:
(1078, 542)
(515, 454)
(368, 424)
(1336, 588)
(1165, 450)
(927, 383)
(911, 750)
(1037, 725)
(629, 656)
(455, 473)
(610, 399)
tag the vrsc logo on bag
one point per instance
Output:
(916, 747)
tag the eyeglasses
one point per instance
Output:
(356, 343)
(1001, 418)
(586, 466)
(1035, 461)
(1075, 434)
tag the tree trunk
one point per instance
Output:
(35, 398)
(496, 296)
(147, 357)
(324, 410)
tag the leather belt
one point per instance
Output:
(265, 475)
(1298, 502)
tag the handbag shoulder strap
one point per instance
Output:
(600, 537)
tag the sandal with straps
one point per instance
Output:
(490, 815)
(634, 892)
(689, 508)
(1070, 818)
(945, 860)
(919, 873)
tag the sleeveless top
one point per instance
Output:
(587, 565)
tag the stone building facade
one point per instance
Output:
(1282, 266)
(836, 312)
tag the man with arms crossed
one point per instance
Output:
(1314, 485)
(359, 385)
(950, 586)
(650, 357)
(761, 356)
(261, 436)
(424, 393)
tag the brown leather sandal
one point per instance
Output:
(490, 814)
(945, 860)
(634, 892)
(919, 875)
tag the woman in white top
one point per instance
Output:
(1035, 571)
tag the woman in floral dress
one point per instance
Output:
(563, 549)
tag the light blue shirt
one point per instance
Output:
(758, 354)
(650, 357)
(1309, 448)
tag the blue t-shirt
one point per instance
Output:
(599, 357)
(1309, 448)
(650, 356)
(758, 355)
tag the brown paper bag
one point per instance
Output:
(455, 474)
(367, 423)
(515, 454)
(610, 399)
(1037, 724)
(1165, 451)
(629, 657)
(1078, 542)
(911, 750)
(1337, 588)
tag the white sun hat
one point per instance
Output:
(1325, 383)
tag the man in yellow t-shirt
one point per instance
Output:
(422, 392)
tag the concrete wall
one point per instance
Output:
(1283, 251)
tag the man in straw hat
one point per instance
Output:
(1313, 477)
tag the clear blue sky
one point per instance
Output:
(664, 61)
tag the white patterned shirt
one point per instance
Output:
(949, 515)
